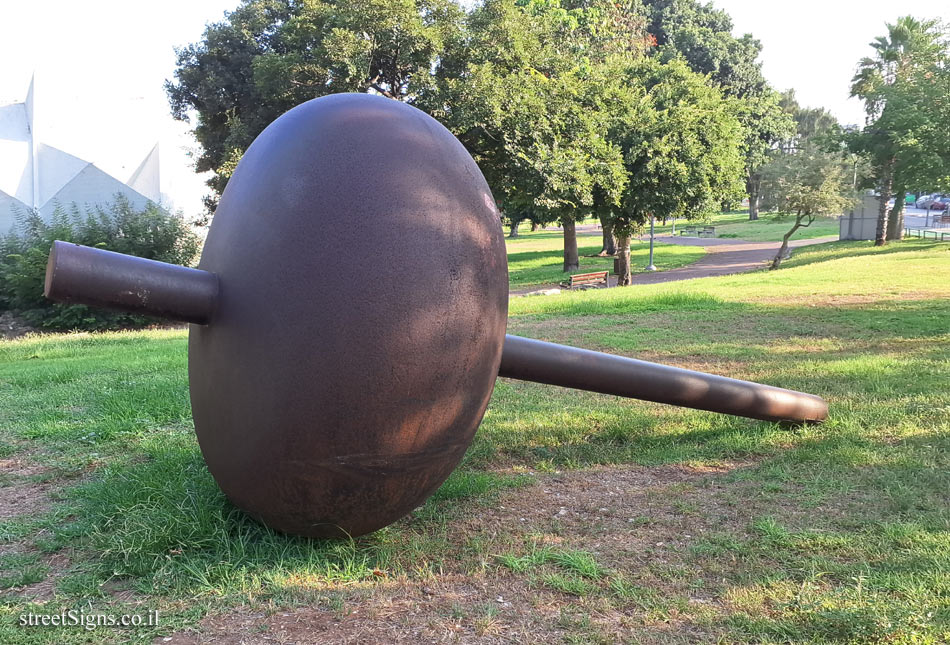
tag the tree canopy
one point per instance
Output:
(267, 56)
(681, 148)
(702, 36)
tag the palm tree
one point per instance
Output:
(910, 45)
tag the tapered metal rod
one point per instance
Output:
(533, 360)
(88, 276)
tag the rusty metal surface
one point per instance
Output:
(355, 282)
(85, 275)
(361, 317)
(581, 369)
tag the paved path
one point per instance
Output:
(723, 256)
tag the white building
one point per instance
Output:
(35, 175)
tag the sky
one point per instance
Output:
(814, 46)
(100, 66)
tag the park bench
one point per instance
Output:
(695, 231)
(586, 279)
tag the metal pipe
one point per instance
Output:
(651, 266)
(88, 276)
(533, 360)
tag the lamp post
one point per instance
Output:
(651, 266)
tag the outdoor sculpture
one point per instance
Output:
(349, 316)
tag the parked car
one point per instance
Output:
(940, 203)
(924, 201)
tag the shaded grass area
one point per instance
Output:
(537, 258)
(837, 533)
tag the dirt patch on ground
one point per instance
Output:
(44, 590)
(20, 492)
(486, 611)
(635, 521)
(25, 489)
(24, 499)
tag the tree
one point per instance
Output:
(702, 36)
(889, 83)
(808, 184)
(267, 56)
(811, 127)
(764, 125)
(681, 154)
(525, 93)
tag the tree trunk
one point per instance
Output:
(534, 227)
(609, 246)
(514, 229)
(571, 261)
(783, 250)
(753, 185)
(887, 183)
(895, 222)
(623, 255)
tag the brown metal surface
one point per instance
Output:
(355, 286)
(362, 312)
(581, 369)
(101, 278)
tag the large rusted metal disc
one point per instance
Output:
(361, 316)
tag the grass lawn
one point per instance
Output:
(575, 517)
(770, 227)
(537, 258)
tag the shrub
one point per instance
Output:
(151, 233)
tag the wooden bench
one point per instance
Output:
(708, 231)
(586, 279)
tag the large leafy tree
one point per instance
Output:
(702, 36)
(681, 149)
(526, 93)
(267, 56)
(896, 85)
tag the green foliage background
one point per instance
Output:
(151, 233)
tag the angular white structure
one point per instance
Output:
(34, 175)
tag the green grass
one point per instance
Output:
(538, 258)
(838, 533)
(770, 227)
